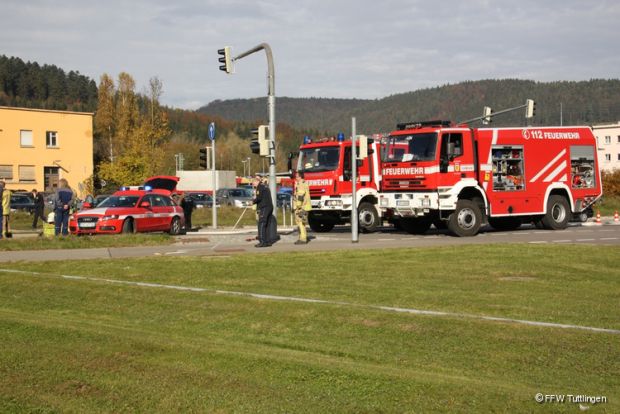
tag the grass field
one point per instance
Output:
(92, 345)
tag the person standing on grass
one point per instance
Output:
(264, 209)
(39, 206)
(62, 204)
(1, 207)
(6, 211)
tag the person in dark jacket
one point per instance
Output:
(264, 210)
(62, 203)
(39, 206)
(187, 204)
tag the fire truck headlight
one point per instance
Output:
(426, 202)
(383, 202)
(333, 203)
(402, 203)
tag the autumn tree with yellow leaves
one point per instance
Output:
(130, 131)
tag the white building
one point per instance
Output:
(608, 142)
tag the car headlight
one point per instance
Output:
(112, 217)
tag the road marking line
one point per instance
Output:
(538, 242)
(585, 240)
(323, 301)
(561, 241)
(609, 238)
(386, 239)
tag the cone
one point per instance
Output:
(616, 217)
(598, 217)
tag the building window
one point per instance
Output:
(607, 139)
(51, 139)
(618, 156)
(618, 139)
(6, 172)
(26, 173)
(607, 157)
(25, 138)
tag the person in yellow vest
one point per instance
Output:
(302, 204)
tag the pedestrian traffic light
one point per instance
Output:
(530, 108)
(260, 141)
(225, 59)
(486, 113)
(203, 158)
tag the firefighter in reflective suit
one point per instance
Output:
(302, 204)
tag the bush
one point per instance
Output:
(611, 183)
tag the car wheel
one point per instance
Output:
(175, 226)
(128, 226)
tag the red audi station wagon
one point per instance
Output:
(131, 211)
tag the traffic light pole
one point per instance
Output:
(214, 198)
(271, 105)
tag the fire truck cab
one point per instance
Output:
(462, 178)
(326, 166)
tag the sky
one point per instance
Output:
(365, 49)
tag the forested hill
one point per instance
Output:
(570, 103)
(30, 85)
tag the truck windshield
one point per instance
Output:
(319, 159)
(414, 147)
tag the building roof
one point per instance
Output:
(46, 110)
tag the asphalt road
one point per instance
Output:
(225, 243)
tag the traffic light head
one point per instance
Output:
(260, 141)
(203, 158)
(530, 108)
(225, 59)
(486, 113)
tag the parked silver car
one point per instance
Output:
(236, 197)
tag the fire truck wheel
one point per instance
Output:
(558, 213)
(319, 226)
(368, 218)
(416, 225)
(466, 219)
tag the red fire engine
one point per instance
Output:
(460, 177)
(326, 164)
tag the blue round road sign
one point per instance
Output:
(212, 131)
